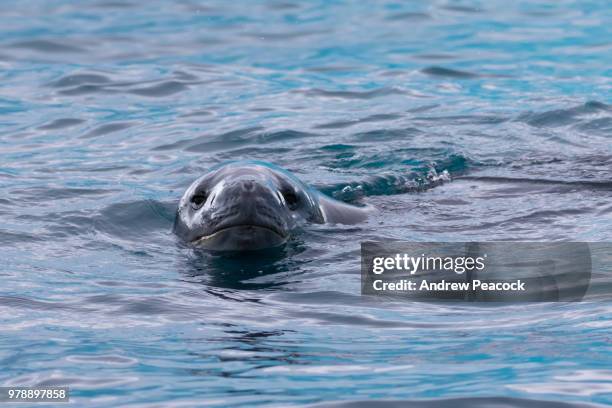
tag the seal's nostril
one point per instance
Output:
(248, 185)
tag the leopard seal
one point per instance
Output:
(251, 205)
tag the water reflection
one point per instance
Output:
(264, 269)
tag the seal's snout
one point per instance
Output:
(248, 186)
(247, 202)
(244, 213)
(248, 194)
(249, 189)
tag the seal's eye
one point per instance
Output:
(291, 199)
(198, 199)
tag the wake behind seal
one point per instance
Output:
(251, 205)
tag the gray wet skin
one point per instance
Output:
(250, 205)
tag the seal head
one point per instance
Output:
(245, 206)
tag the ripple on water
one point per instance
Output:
(374, 93)
(160, 90)
(370, 118)
(106, 129)
(135, 219)
(61, 123)
(449, 73)
(80, 79)
(48, 46)
(409, 16)
(483, 402)
(575, 115)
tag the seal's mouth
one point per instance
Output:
(243, 236)
(248, 227)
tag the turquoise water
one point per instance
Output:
(457, 120)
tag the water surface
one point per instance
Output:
(457, 120)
